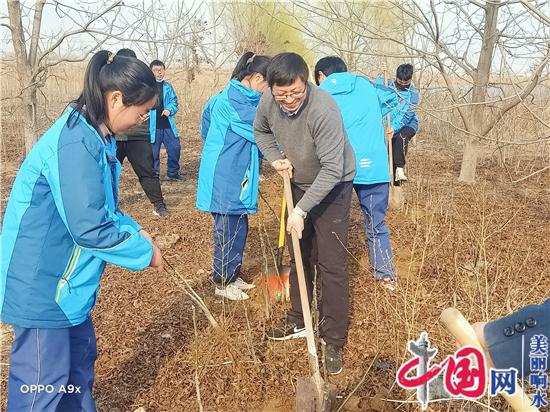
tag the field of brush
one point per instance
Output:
(482, 248)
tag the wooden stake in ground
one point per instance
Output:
(465, 335)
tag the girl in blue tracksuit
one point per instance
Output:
(363, 105)
(61, 226)
(229, 170)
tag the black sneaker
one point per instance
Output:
(286, 331)
(176, 178)
(160, 209)
(333, 359)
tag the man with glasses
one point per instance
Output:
(304, 122)
(135, 145)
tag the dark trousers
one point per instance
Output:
(400, 145)
(140, 156)
(172, 145)
(323, 244)
(230, 233)
(52, 370)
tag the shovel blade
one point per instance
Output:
(307, 396)
(277, 285)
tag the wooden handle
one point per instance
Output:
(388, 137)
(465, 335)
(311, 347)
(282, 228)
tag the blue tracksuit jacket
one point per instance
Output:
(61, 226)
(229, 168)
(363, 105)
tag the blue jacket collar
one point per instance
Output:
(251, 95)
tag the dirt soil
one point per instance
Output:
(482, 248)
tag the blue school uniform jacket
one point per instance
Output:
(61, 226)
(206, 114)
(229, 168)
(363, 104)
(404, 113)
(170, 100)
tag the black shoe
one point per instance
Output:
(286, 331)
(160, 209)
(176, 178)
(333, 359)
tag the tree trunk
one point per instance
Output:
(478, 112)
(29, 118)
(469, 161)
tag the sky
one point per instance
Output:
(66, 18)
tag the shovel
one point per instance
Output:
(276, 277)
(312, 394)
(396, 199)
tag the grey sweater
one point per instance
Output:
(313, 139)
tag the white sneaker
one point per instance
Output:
(231, 292)
(400, 174)
(242, 285)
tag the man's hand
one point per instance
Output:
(283, 166)
(166, 112)
(479, 328)
(389, 131)
(295, 222)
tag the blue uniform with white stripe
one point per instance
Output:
(229, 173)
(61, 226)
(363, 105)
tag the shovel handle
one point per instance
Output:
(388, 137)
(311, 348)
(465, 335)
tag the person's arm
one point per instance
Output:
(264, 136)
(205, 119)
(241, 120)
(503, 338)
(328, 132)
(171, 103)
(77, 184)
(409, 116)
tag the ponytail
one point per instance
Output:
(250, 63)
(107, 72)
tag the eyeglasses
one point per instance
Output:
(144, 117)
(293, 96)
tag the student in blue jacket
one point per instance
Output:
(162, 126)
(229, 170)
(363, 104)
(61, 227)
(404, 121)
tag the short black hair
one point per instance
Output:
(157, 63)
(329, 65)
(126, 53)
(404, 72)
(286, 68)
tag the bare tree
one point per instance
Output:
(465, 42)
(174, 32)
(36, 51)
